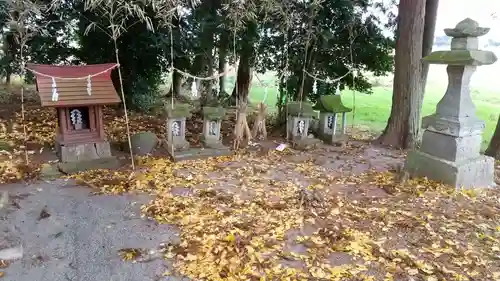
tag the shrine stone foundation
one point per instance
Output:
(83, 152)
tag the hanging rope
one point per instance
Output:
(55, 95)
(208, 78)
(89, 85)
(328, 80)
(73, 78)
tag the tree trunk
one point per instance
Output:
(494, 147)
(403, 127)
(243, 77)
(9, 50)
(177, 82)
(209, 64)
(177, 62)
(241, 91)
(305, 82)
(431, 8)
(222, 61)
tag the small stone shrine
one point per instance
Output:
(176, 129)
(177, 145)
(212, 122)
(330, 106)
(450, 151)
(78, 93)
(299, 117)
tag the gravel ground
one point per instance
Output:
(78, 235)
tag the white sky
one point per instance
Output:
(453, 11)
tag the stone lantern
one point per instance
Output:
(450, 150)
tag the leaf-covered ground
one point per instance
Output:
(330, 214)
(323, 215)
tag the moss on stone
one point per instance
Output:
(178, 110)
(303, 109)
(461, 57)
(213, 113)
(331, 103)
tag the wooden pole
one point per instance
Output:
(124, 105)
(23, 117)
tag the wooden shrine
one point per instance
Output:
(78, 93)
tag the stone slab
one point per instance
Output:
(329, 139)
(50, 171)
(143, 143)
(471, 173)
(306, 144)
(82, 166)
(178, 145)
(214, 144)
(199, 153)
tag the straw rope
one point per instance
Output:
(73, 78)
(208, 78)
(327, 80)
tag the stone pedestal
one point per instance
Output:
(474, 172)
(451, 143)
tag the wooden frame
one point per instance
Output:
(66, 135)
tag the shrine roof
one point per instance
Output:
(75, 85)
(332, 104)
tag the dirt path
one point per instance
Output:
(78, 236)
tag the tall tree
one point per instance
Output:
(139, 53)
(403, 127)
(431, 8)
(494, 147)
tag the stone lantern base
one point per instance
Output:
(450, 153)
(469, 173)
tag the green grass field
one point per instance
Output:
(373, 110)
